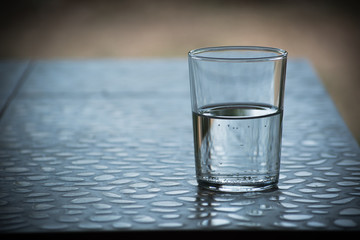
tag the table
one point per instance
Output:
(106, 145)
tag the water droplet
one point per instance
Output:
(54, 226)
(285, 224)
(64, 189)
(350, 211)
(317, 162)
(122, 201)
(139, 185)
(127, 190)
(329, 195)
(131, 174)
(90, 225)
(101, 206)
(187, 199)
(120, 181)
(68, 219)
(105, 177)
(112, 195)
(171, 225)
(297, 217)
(104, 218)
(167, 204)
(343, 201)
(294, 181)
(227, 209)
(153, 190)
(75, 194)
(309, 143)
(316, 224)
(331, 174)
(323, 212)
(303, 200)
(163, 210)
(347, 183)
(39, 200)
(168, 184)
(242, 203)
(176, 192)
(303, 174)
(43, 159)
(43, 206)
(217, 222)
(86, 200)
(291, 194)
(122, 225)
(143, 196)
(333, 190)
(48, 169)
(316, 185)
(289, 205)
(71, 179)
(307, 190)
(238, 217)
(143, 219)
(84, 162)
(345, 223)
(170, 216)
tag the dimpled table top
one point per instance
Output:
(106, 145)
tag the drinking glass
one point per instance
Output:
(237, 95)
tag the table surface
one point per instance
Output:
(106, 145)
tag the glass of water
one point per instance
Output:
(237, 95)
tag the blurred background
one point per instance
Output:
(327, 33)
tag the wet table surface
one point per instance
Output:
(106, 145)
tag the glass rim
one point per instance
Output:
(278, 53)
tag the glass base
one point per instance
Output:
(237, 188)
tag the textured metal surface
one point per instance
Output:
(107, 145)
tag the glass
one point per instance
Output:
(237, 95)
